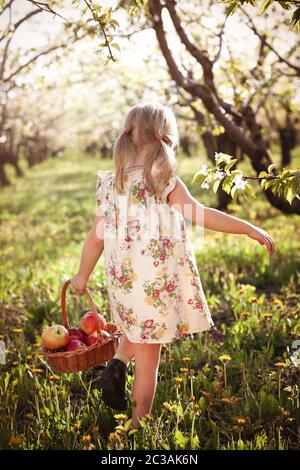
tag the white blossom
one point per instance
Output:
(239, 181)
(203, 170)
(204, 185)
(218, 174)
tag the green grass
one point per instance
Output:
(244, 401)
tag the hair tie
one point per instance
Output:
(126, 130)
(159, 136)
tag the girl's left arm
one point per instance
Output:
(213, 219)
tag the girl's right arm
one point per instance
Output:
(215, 219)
(92, 249)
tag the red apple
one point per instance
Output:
(75, 333)
(91, 339)
(74, 344)
(55, 337)
(88, 323)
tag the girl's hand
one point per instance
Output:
(262, 237)
(79, 283)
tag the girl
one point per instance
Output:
(153, 284)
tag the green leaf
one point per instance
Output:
(263, 174)
(198, 178)
(115, 45)
(234, 193)
(230, 164)
(270, 167)
(216, 185)
(264, 6)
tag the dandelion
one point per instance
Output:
(167, 406)
(29, 356)
(277, 301)
(95, 429)
(17, 330)
(281, 365)
(183, 369)
(15, 441)
(225, 359)
(178, 380)
(252, 299)
(266, 314)
(53, 377)
(15, 363)
(186, 358)
(77, 425)
(86, 439)
(148, 417)
(120, 416)
(240, 421)
(29, 416)
(37, 371)
(245, 314)
(115, 441)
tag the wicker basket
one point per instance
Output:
(73, 361)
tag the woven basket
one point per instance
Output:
(73, 361)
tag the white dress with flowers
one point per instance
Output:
(153, 284)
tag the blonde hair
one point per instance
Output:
(151, 120)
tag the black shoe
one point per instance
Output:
(112, 383)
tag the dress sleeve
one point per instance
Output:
(101, 191)
(169, 187)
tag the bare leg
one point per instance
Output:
(126, 347)
(147, 358)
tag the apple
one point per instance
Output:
(92, 338)
(75, 333)
(55, 337)
(88, 323)
(74, 344)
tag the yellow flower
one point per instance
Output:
(53, 377)
(37, 371)
(15, 441)
(277, 301)
(266, 315)
(29, 356)
(240, 421)
(15, 363)
(183, 369)
(167, 406)
(259, 301)
(17, 330)
(178, 380)
(186, 358)
(252, 299)
(30, 416)
(120, 416)
(95, 429)
(225, 358)
(37, 345)
(245, 314)
(77, 425)
(280, 365)
(86, 439)
(149, 300)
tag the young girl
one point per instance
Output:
(153, 284)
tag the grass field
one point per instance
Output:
(233, 387)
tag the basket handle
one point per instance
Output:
(92, 306)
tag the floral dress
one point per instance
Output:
(154, 288)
